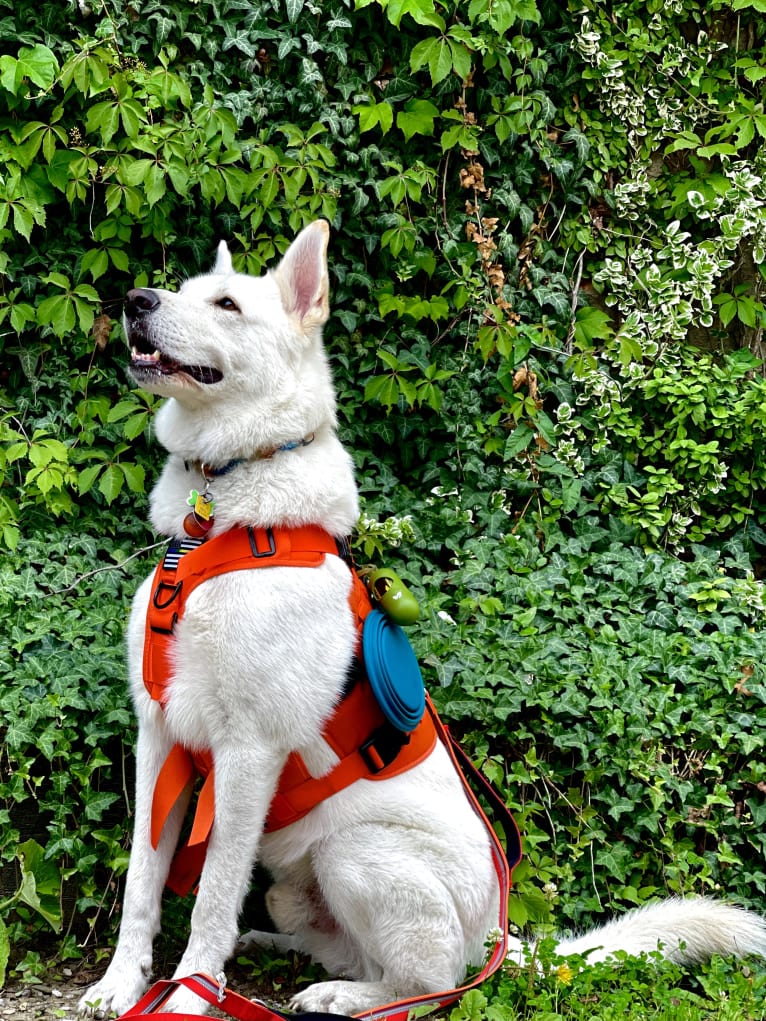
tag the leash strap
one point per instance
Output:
(216, 994)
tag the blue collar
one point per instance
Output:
(208, 472)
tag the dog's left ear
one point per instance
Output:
(302, 276)
(223, 263)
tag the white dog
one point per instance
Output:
(388, 884)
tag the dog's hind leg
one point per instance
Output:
(303, 918)
(414, 931)
(130, 968)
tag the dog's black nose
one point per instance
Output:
(140, 301)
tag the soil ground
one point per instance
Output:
(55, 998)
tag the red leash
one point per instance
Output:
(242, 1009)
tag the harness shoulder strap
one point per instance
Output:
(180, 572)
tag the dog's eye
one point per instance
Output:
(228, 304)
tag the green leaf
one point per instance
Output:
(417, 118)
(111, 482)
(104, 118)
(87, 477)
(57, 312)
(36, 63)
(372, 115)
(629, 349)
(460, 59)
(95, 262)
(422, 12)
(23, 220)
(40, 883)
(436, 54)
(382, 389)
(727, 310)
(5, 951)
(155, 184)
(518, 441)
(134, 476)
(546, 428)
(591, 324)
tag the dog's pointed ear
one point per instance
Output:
(223, 264)
(302, 276)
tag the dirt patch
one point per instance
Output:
(57, 999)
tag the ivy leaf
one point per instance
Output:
(163, 30)
(97, 802)
(294, 8)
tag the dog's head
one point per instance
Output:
(249, 348)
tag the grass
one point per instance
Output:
(635, 989)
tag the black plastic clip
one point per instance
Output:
(382, 746)
(270, 552)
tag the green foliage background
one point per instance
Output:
(549, 233)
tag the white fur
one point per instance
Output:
(686, 930)
(389, 884)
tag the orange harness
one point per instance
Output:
(367, 746)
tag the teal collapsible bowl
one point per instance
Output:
(393, 671)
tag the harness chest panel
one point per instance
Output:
(367, 745)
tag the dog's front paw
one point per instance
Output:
(341, 997)
(115, 994)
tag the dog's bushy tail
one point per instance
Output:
(685, 930)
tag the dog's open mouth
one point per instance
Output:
(146, 363)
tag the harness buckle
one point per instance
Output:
(382, 746)
(270, 552)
